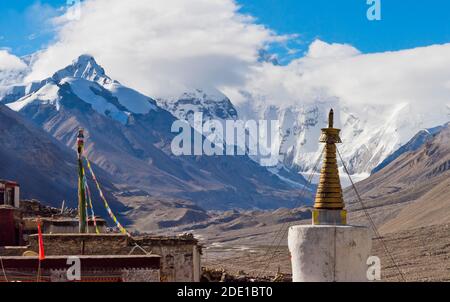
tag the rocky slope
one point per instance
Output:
(413, 190)
(45, 169)
(34, 159)
(414, 144)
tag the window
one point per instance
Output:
(9, 197)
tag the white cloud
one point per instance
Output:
(163, 46)
(12, 69)
(319, 50)
(159, 46)
(10, 62)
(417, 76)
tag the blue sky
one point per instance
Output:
(404, 24)
(24, 24)
(24, 28)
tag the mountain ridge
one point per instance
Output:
(129, 137)
(45, 169)
(411, 191)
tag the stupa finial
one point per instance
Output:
(329, 204)
(331, 119)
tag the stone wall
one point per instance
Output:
(176, 262)
(124, 275)
(140, 275)
(7, 251)
(180, 256)
(78, 244)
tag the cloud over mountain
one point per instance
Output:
(12, 69)
(166, 47)
(158, 46)
(415, 76)
(10, 62)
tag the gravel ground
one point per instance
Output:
(421, 254)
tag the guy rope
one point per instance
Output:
(89, 198)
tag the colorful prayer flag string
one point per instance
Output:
(89, 198)
(108, 209)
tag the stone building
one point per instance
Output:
(9, 193)
(11, 226)
(180, 256)
(143, 258)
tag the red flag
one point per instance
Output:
(41, 242)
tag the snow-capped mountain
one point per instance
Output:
(212, 103)
(420, 139)
(10, 77)
(412, 191)
(16, 74)
(369, 133)
(129, 136)
(89, 82)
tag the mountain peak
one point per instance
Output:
(86, 60)
(211, 102)
(84, 67)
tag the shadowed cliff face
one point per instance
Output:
(45, 169)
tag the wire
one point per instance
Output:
(374, 227)
(3, 269)
(89, 198)
(139, 247)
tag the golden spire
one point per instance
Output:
(329, 204)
